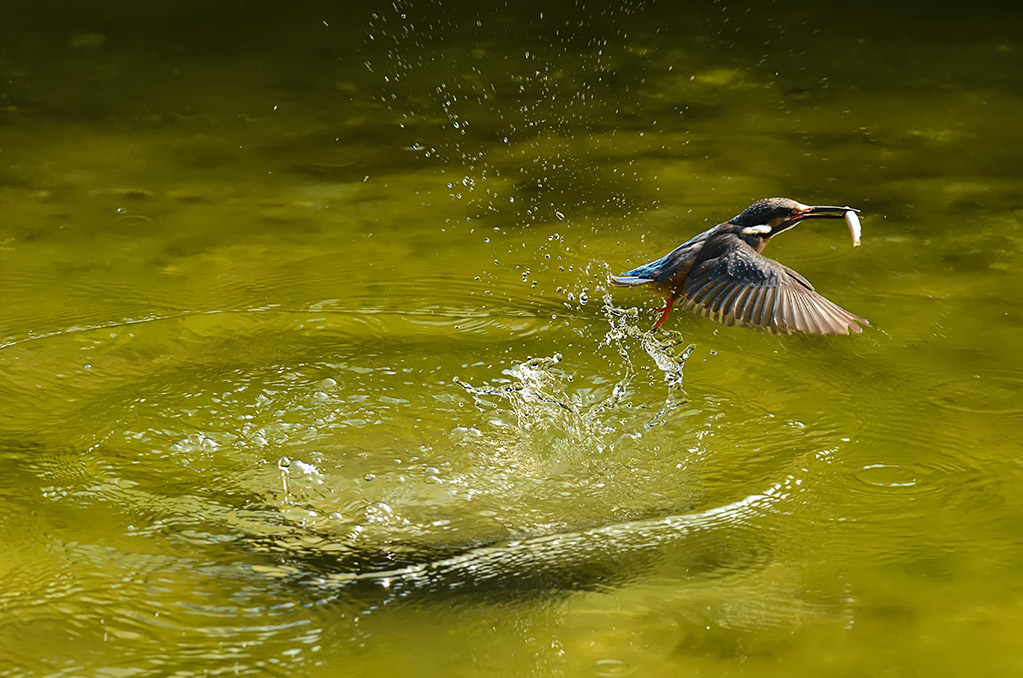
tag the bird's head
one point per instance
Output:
(768, 217)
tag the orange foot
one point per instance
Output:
(665, 311)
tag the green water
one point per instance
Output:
(309, 364)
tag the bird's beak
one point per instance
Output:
(815, 212)
(824, 212)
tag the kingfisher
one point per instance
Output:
(721, 274)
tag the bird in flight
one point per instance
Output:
(721, 274)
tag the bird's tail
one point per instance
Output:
(629, 280)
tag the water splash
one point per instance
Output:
(540, 405)
(541, 408)
(662, 347)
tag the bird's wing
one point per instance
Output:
(741, 287)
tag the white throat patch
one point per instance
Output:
(761, 229)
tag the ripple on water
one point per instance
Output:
(887, 476)
(613, 667)
(994, 394)
(134, 601)
(568, 482)
(919, 478)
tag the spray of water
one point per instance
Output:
(540, 409)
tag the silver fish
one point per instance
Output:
(853, 222)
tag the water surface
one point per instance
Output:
(310, 365)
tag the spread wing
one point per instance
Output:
(741, 287)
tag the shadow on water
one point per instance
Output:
(592, 559)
